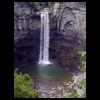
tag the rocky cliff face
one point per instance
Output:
(68, 31)
(26, 34)
(25, 20)
(71, 21)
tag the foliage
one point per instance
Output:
(82, 58)
(50, 4)
(83, 83)
(74, 93)
(22, 86)
(39, 5)
(35, 4)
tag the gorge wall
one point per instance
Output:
(68, 31)
(70, 19)
(26, 34)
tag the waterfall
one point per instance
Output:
(44, 38)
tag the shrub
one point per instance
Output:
(83, 83)
(74, 93)
(22, 86)
(81, 55)
(35, 4)
(50, 4)
(39, 5)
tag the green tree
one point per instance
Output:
(23, 87)
(81, 55)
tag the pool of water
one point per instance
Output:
(47, 72)
(49, 80)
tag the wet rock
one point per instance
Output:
(79, 89)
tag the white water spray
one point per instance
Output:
(44, 38)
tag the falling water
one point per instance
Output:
(44, 38)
